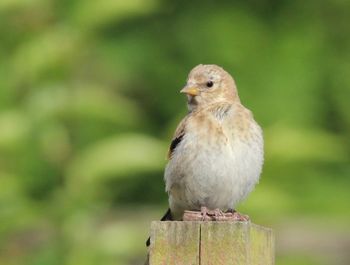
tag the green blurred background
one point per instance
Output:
(89, 101)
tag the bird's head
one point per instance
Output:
(209, 84)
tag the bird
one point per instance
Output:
(217, 152)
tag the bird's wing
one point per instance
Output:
(178, 136)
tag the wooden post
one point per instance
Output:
(210, 243)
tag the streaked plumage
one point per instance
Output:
(216, 155)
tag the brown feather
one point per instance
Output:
(178, 136)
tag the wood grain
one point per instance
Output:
(211, 243)
(174, 243)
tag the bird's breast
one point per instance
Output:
(212, 168)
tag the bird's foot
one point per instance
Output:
(218, 215)
(204, 213)
(236, 216)
(209, 215)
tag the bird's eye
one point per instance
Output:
(210, 83)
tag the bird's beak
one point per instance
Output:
(192, 91)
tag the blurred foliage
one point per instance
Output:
(89, 99)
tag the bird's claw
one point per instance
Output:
(204, 213)
(215, 214)
(236, 216)
(218, 213)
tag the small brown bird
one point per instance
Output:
(216, 155)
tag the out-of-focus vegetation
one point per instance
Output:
(89, 99)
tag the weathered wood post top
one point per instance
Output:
(214, 243)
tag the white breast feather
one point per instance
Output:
(215, 176)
